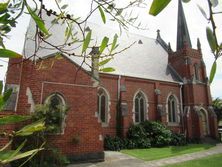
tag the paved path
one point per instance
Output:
(117, 159)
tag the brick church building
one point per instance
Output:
(150, 82)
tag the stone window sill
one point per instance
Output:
(105, 125)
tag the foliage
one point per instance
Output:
(113, 143)
(217, 105)
(158, 134)
(4, 96)
(117, 144)
(9, 155)
(50, 156)
(137, 134)
(54, 117)
(145, 135)
(136, 138)
(178, 139)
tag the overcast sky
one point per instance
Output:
(166, 21)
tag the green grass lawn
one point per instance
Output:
(159, 153)
(211, 161)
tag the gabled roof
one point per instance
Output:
(145, 59)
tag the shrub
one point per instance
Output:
(50, 156)
(113, 143)
(178, 139)
(145, 135)
(136, 138)
(128, 144)
(137, 135)
(158, 134)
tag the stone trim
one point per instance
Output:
(108, 114)
(178, 108)
(147, 105)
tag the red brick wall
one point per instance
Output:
(14, 71)
(110, 83)
(52, 75)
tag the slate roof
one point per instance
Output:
(145, 59)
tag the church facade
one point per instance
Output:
(151, 82)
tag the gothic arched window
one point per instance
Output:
(56, 112)
(172, 109)
(102, 104)
(140, 107)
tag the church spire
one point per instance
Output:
(182, 30)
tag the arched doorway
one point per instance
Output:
(204, 122)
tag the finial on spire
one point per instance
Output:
(182, 30)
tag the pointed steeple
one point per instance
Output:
(182, 30)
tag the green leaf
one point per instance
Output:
(37, 20)
(5, 53)
(11, 119)
(9, 154)
(1, 87)
(64, 6)
(213, 71)
(17, 150)
(107, 69)
(6, 146)
(68, 32)
(2, 43)
(30, 129)
(214, 2)
(3, 7)
(202, 11)
(102, 15)
(2, 103)
(5, 154)
(104, 62)
(211, 39)
(103, 44)
(157, 6)
(7, 94)
(114, 43)
(86, 41)
(186, 1)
